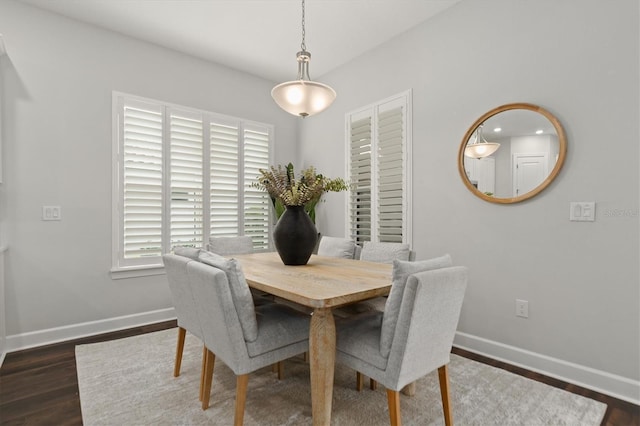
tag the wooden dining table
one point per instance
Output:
(322, 284)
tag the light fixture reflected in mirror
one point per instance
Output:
(480, 148)
(303, 97)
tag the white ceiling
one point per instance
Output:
(257, 36)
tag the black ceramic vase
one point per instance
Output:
(295, 236)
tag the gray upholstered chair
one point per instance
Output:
(411, 338)
(401, 270)
(245, 338)
(226, 246)
(384, 252)
(176, 270)
(336, 247)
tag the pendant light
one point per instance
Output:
(303, 97)
(480, 148)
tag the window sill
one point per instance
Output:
(136, 271)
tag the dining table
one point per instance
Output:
(323, 284)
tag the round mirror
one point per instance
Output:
(512, 153)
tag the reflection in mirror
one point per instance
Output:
(479, 147)
(512, 153)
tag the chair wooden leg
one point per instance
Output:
(360, 382)
(179, 348)
(443, 376)
(241, 398)
(208, 379)
(410, 389)
(203, 371)
(280, 368)
(394, 407)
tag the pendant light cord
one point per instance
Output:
(303, 45)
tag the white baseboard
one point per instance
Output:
(32, 339)
(3, 349)
(587, 377)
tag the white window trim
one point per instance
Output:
(407, 218)
(157, 268)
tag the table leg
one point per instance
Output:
(322, 351)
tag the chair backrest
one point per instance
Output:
(357, 252)
(217, 314)
(176, 268)
(336, 247)
(226, 246)
(240, 292)
(384, 252)
(427, 323)
(401, 272)
(190, 252)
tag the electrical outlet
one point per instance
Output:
(522, 308)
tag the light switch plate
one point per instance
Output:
(582, 211)
(51, 213)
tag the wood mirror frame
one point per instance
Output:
(562, 152)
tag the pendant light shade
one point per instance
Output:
(303, 97)
(480, 148)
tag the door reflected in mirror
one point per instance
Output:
(512, 153)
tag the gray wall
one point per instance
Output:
(57, 81)
(577, 58)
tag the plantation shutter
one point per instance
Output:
(224, 175)
(379, 141)
(181, 175)
(186, 180)
(390, 175)
(360, 215)
(141, 170)
(256, 202)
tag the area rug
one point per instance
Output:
(130, 382)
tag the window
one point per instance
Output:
(181, 175)
(378, 152)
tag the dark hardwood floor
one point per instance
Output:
(39, 386)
